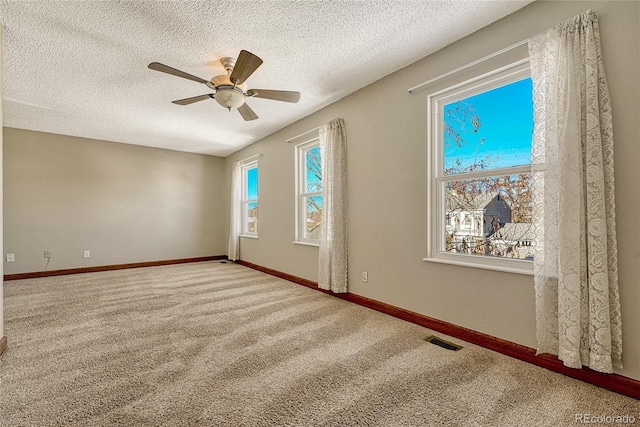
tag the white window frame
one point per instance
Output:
(245, 197)
(301, 150)
(435, 173)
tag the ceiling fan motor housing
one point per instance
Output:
(227, 94)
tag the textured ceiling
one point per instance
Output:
(80, 67)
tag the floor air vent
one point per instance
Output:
(442, 343)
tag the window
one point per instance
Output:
(480, 172)
(308, 192)
(250, 199)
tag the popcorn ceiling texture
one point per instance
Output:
(80, 68)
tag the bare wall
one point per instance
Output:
(123, 203)
(1, 210)
(387, 156)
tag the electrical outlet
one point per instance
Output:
(11, 257)
(47, 254)
(365, 276)
(87, 254)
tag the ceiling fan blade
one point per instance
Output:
(247, 113)
(191, 100)
(170, 70)
(246, 64)
(277, 95)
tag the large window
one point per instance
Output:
(480, 172)
(250, 199)
(308, 192)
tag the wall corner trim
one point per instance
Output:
(613, 382)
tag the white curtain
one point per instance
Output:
(575, 264)
(332, 253)
(235, 214)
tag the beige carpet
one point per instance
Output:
(218, 344)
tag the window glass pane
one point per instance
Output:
(252, 217)
(313, 174)
(489, 216)
(490, 130)
(252, 183)
(313, 216)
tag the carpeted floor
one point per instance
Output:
(218, 344)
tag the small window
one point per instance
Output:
(250, 199)
(480, 144)
(308, 192)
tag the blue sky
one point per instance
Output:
(313, 183)
(252, 183)
(506, 126)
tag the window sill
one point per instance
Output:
(515, 266)
(303, 243)
(249, 236)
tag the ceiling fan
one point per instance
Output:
(229, 90)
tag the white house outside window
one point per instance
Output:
(308, 192)
(480, 172)
(250, 199)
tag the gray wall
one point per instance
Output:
(1, 210)
(123, 203)
(387, 156)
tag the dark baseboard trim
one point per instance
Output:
(614, 382)
(3, 345)
(37, 274)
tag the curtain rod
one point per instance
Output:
(248, 159)
(469, 65)
(315, 129)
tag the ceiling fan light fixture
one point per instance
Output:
(229, 97)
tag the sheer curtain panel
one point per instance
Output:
(575, 254)
(332, 253)
(235, 214)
